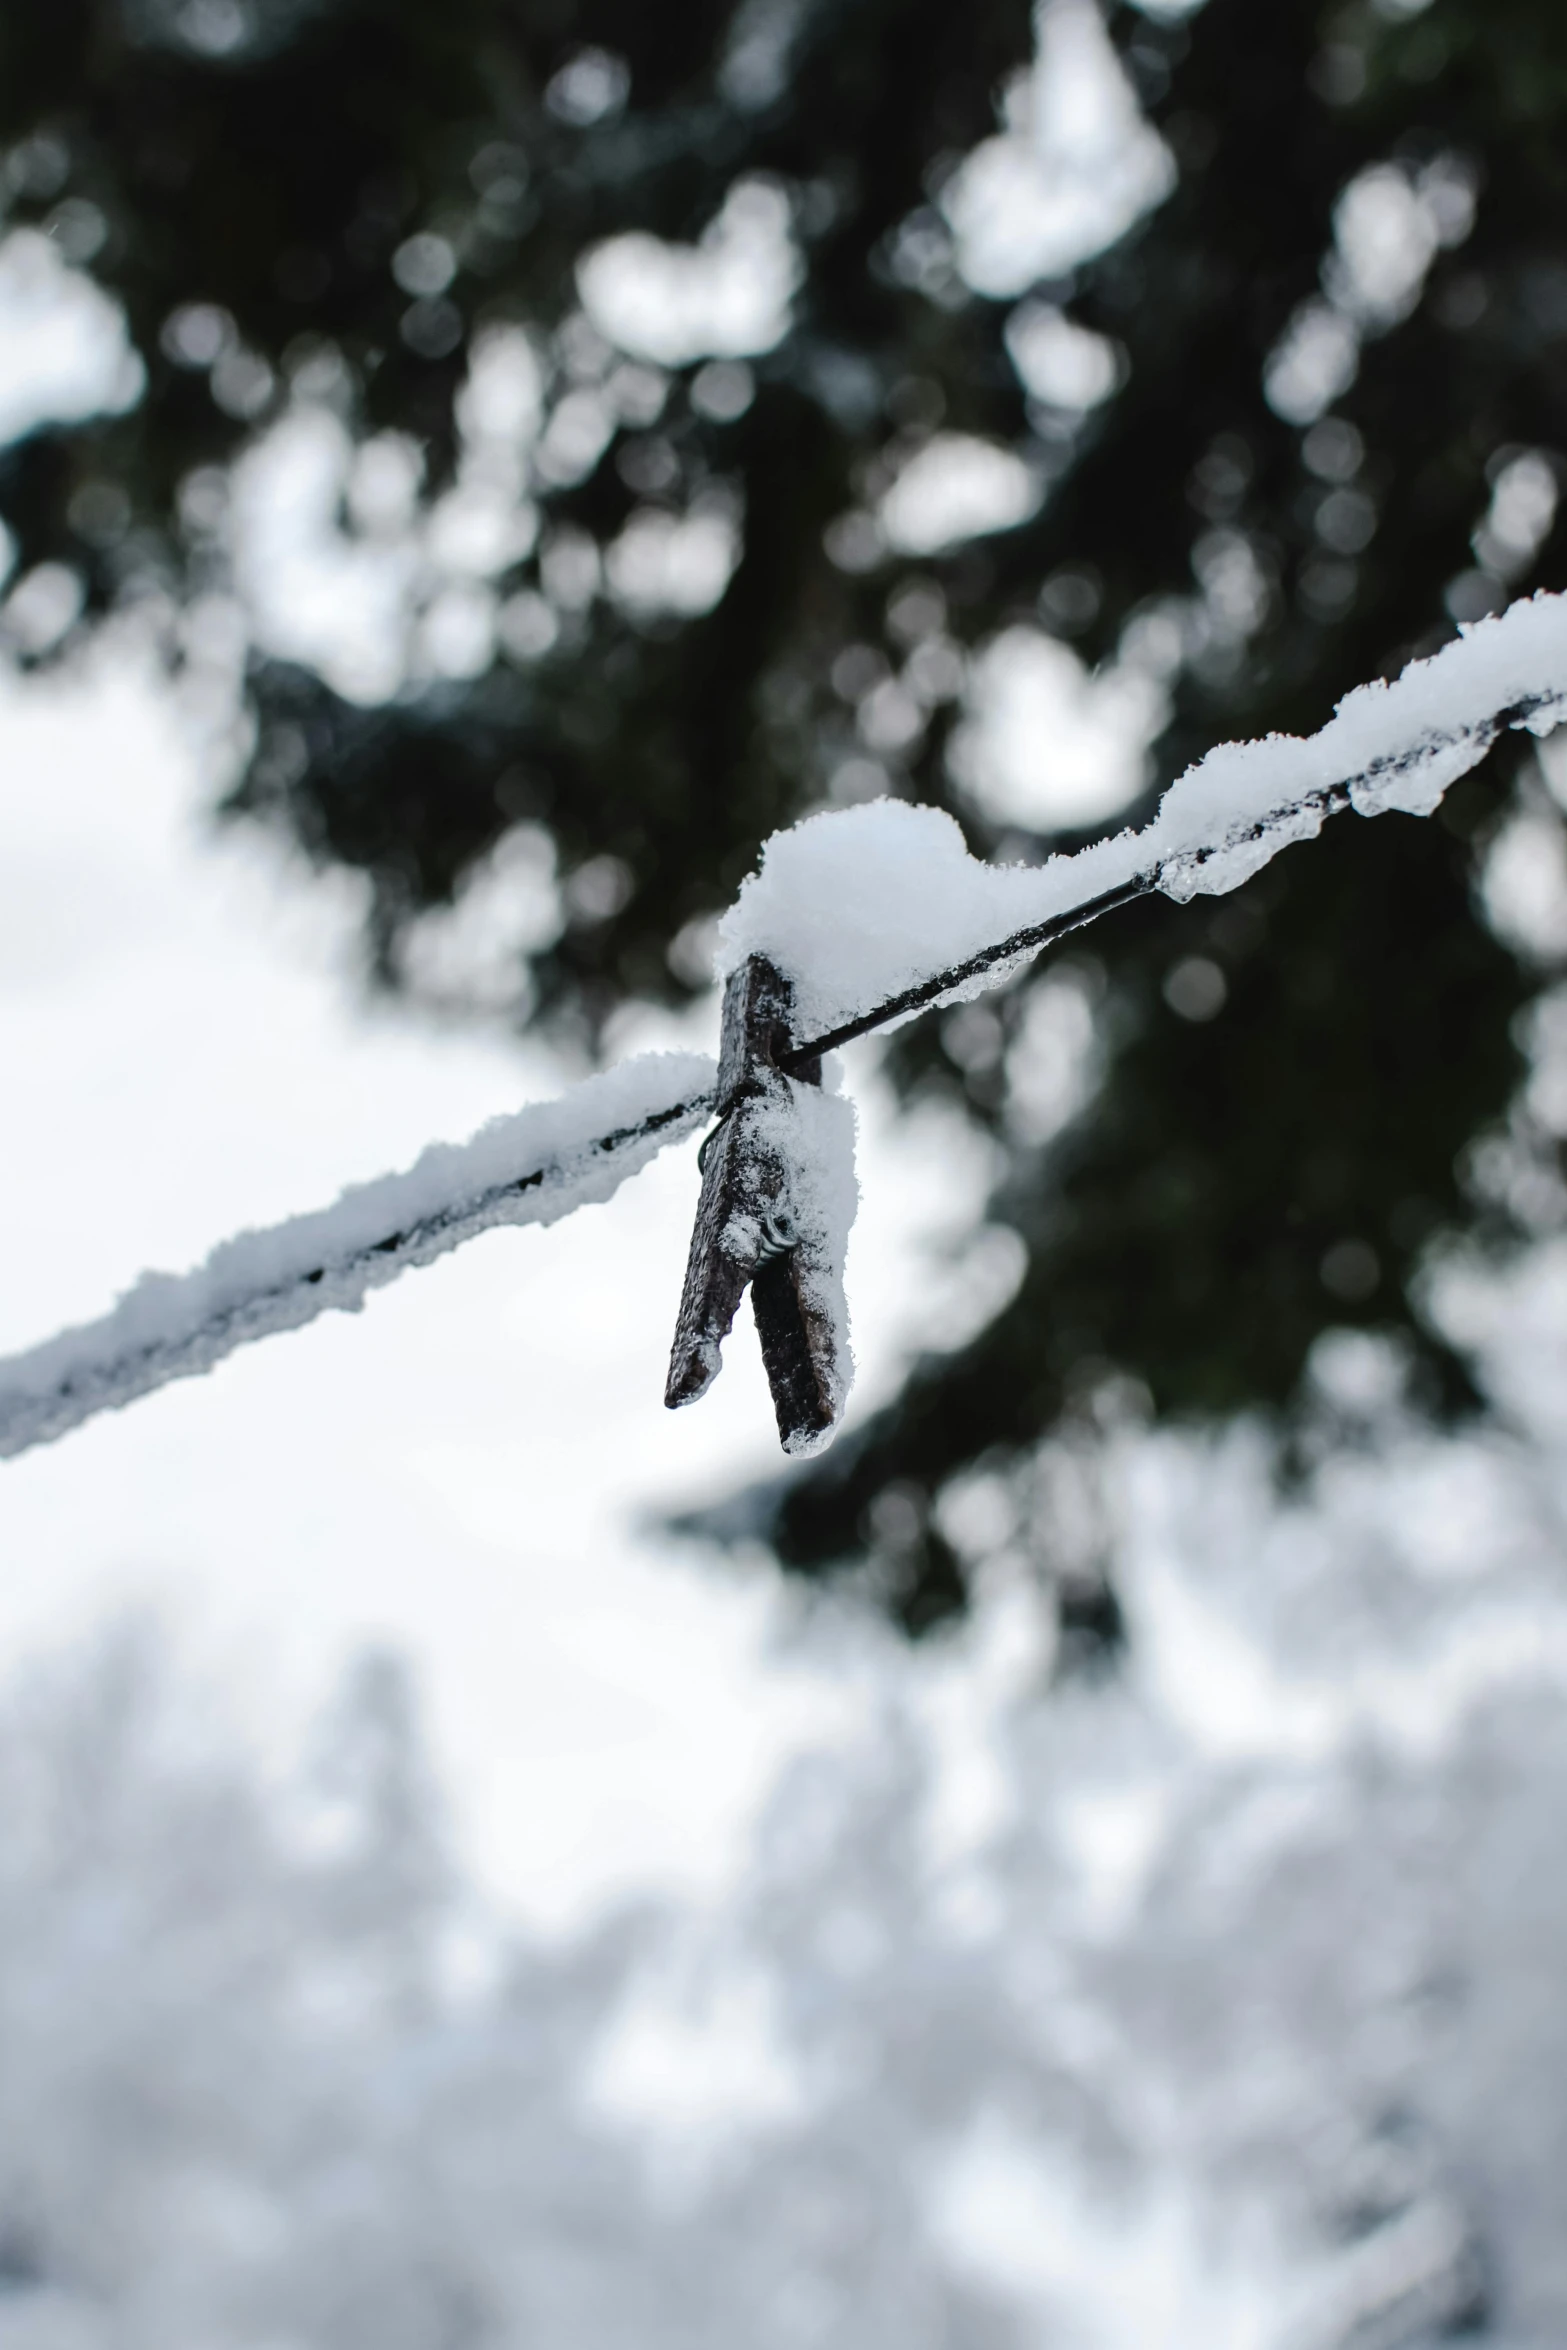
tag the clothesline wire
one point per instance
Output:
(69, 1379)
(56, 1386)
(1032, 940)
(1331, 800)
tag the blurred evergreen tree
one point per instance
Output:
(1341, 341)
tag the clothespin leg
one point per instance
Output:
(777, 1192)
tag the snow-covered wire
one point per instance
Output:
(876, 912)
(530, 1168)
(873, 913)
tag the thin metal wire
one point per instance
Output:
(929, 991)
(710, 1137)
(1332, 800)
(742, 1093)
(32, 1410)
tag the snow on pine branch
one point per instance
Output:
(530, 1168)
(877, 911)
(872, 913)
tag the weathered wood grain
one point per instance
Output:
(748, 1229)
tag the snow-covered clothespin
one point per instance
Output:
(778, 1195)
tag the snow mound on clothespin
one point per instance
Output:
(860, 903)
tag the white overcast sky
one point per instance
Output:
(461, 1469)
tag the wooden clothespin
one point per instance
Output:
(760, 1221)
